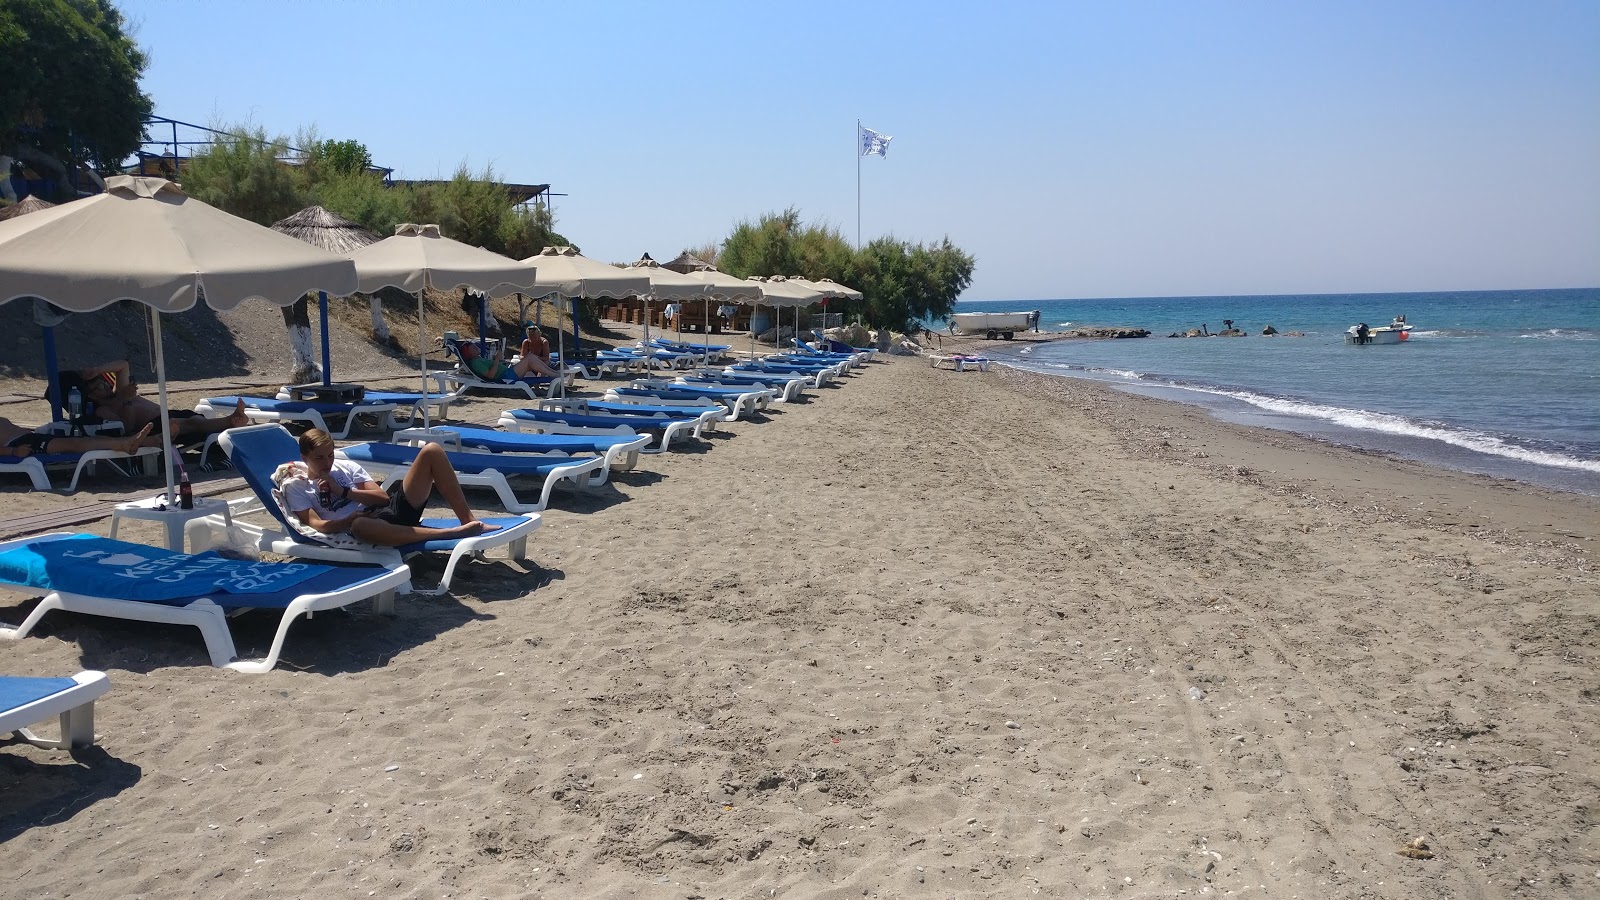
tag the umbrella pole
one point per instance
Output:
(422, 350)
(327, 367)
(561, 340)
(53, 371)
(166, 424)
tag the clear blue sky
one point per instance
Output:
(1077, 150)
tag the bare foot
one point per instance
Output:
(238, 419)
(472, 529)
(132, 445)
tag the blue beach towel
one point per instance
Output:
(101, 567)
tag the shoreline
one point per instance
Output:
(927, 632)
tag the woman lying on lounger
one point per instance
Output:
(338, 496)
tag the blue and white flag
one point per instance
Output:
(873, 143)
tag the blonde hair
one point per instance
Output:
(314, 439)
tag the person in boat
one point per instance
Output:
(337, 496)
(1363, 333)
(1399, 321)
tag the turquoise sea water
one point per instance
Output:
(1504, 383)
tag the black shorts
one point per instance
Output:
(172, 414)
(399, 511)
(34, 441)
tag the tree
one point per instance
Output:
(243, 172)
(906, 282)
(69, 83)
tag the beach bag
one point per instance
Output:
(286, 475)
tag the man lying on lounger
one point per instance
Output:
(337, 495)
(111, 389)
(497, 371)
(17, 441)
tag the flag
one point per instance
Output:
(873, 143)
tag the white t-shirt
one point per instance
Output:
(301, 492)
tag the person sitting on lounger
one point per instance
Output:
(337, 496)
(495, 370)
(110, 387)
(17, 441)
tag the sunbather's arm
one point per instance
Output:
(325, 526)
(367, 493)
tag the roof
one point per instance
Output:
(321, 228)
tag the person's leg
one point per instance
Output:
(533, 365)
(388, 534)
(194, 427)
(432, 472)
(128, 445)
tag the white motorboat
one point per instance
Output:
(1396, 332)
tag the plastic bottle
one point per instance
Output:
(185, 492)
(75, 410)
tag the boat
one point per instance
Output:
(994, 324)
(1396, 332)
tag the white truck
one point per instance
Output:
(994, 324)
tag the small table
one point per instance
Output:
(338, 392)
(416, 437)
(155, 509)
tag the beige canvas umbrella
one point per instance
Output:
(666, 286)
(725, 288)
(417, 257)
(831, 290)
(564, 273)
(144, 240)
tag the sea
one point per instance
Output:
(1501, 383)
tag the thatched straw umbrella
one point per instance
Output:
(686, 262)
(335, 234)
(24, 206)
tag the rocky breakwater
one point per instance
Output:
(1106, 331)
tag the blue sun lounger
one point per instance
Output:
(36, 466)
(619, 452)
(490, 470)
(709, 413)
(557, 422)
(314, 413)
(739, 401)
(99, 576)
(29, 701)
(257, 450)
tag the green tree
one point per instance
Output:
(69, 83)
(905, 282)
(244, 172)
(342, 157)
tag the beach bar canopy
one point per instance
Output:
(417, 257)
(145, 240)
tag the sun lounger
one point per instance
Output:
(786, 388)
(29, 701)
(739, 401)
(490, 470)
(407, 405)
(464, 379)
(314, 413)
(960, 363)
(619, 452)
(540, 421)
(257, 450)
(99, 576)
(709, 413)
(36, 466)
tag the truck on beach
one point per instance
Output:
(994, 324)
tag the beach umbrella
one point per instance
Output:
(687, 262)
(418, 257)
(725, 288)
(830, 290)
(778, 293)
(564, 273)
(666, 286)
(46, 318)
(144, 240)
(335, 234)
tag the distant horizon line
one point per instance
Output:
(1298, 294)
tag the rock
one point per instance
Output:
(1196, 694)
(1269, 330)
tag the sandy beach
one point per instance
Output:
(928, 634)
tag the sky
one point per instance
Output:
(1116, 149)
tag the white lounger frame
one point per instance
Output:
(311, 416)
(670, 428)
(74, 706)
(211, 619)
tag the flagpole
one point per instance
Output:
(858, 184)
